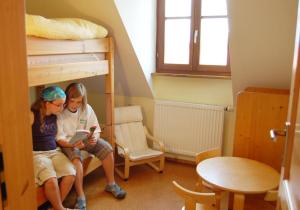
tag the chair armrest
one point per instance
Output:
(154, 140)
(125, 149)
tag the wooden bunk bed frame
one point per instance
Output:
(74, 60)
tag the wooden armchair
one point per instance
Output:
(131, 141)
(201, 185)
(196, 200)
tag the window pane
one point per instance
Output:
(213, 7)
(178, 8)
(214, 41)
(177, 41)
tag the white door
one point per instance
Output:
(289, 191)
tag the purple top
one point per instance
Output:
(44, 140)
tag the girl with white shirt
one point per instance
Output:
(79, 115)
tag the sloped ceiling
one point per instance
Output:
(130, 79)
(262, 34)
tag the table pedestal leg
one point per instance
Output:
(222, 200)
(238, 201)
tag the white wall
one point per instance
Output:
(261, 42)
(139, 19)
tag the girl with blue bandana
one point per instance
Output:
(50, 163)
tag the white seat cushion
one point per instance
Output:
(145, 154)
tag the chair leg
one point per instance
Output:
(159, 168)
(154, 166)
(124, 174)
(189, 204)
(126, 170)
(119, 172)
(162, 164)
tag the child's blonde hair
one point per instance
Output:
(75, 90)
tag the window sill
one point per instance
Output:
(191, 76)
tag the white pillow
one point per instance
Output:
(63, 28)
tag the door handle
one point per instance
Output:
(274, 133)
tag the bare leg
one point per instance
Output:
(112, 187)
(66, 185)
(52, 193)
(79, 177)
(108, 166)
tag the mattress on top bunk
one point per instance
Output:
(40, 60)
(41, 46)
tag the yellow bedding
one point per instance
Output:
(63, 28)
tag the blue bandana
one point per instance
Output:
(52, 93)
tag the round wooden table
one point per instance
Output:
(238, 175)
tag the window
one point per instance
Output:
(192, 37)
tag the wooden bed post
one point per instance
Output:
(16, 171)
(109, 94)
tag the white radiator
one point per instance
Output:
(187, 128)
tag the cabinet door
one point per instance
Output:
(17, 178)
(258, 111)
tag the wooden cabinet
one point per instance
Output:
(258, 111)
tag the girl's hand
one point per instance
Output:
(79, 145)
(92, 140)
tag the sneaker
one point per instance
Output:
(81, 204)
(116, 190)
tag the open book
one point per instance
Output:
(82, 135)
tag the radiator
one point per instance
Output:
(187, 128)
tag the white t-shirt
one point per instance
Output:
(68, 122)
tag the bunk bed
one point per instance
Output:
(53, 61)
